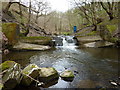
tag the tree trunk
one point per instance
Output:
(109, 11)
(20, 11)
(55, 27)
(110, 15)
(36, 20)
(95, 27)
(37, 16)
(29, 19)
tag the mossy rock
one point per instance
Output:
(41, 40)
(48, 74)
(31, 70)
(7, 65)
(11, 74)
(11, 31)
(1, 86)
(67, 75)
(30, 47)
(98, 44)
(92, 33)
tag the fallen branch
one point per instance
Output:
(39, 83)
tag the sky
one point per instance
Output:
(59, 5)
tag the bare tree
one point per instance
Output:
(41, 8)
(109, 8)
(8, 6)
(20, 11)
(88, 11)
(29, 19)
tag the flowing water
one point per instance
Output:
(93, 67)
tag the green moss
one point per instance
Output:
(48, 74)
(111, 28)
(34, 38)
(108, 22)
(114, 40)
(11, 32)
(67, 74)
(66, 33)
(92, 33)
(29, 68)
(41, 40)
(7, 64)
(1, 86)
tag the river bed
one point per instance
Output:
(93, 67)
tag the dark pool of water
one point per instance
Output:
(93, 67)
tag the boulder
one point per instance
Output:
(11, 31)
(1, 86)
(48, 74)
(67, 75)
(91, 44)
(11, 74)
(99, 44)
(29, 73)
(31, 47)
(58, 41)
(88, 39)
(40, 40)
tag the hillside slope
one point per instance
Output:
(107, 30)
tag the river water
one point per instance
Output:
(92, 67)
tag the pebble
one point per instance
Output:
(114, 83)
(98, 74)
(39, 84)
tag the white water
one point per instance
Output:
(67, 45)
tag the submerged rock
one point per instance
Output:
(27, 46)
(57, 41)
(67, 75)
(11, 74)
(48, 74)
(29, 72)
(87, 84)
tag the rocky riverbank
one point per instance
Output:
(13, 76)
(94, 42)
(30, 47)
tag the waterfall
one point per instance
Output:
(65, 42)
(68, 42)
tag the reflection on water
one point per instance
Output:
(92, 66)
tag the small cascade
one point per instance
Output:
(65, 42)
